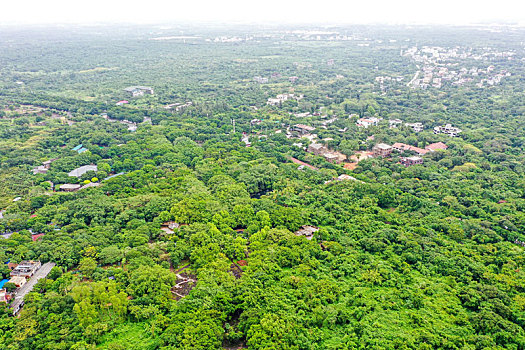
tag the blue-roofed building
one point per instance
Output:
(76, 148)
(82, 150)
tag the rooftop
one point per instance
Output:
(78, 172)
(383, 146)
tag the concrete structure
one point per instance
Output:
(18, 281)
(282, 98)
(408, 161)
(382, 150)
(169, 226)
(69, 187)
(394, 123)
(447, 129)
(40, 170)
(417, 127)
(78, 172)
(366, 122)
(307, 231)
(302, 129)
(260, 80)
(317, 148)
(28, 287)
(402, 147)
(26, 268)
(4, 296)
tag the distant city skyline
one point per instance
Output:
(458, 12)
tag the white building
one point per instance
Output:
(417, 127)
(366, 122)
(447, 129)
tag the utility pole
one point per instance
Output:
(233, 122)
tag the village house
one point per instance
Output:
(317, 148)
(345, 177)
(408, 161)
(42, 169)
(26, 269)
(136, 91)
(366, 122)
(122, 102)
(78, 172)
(335, 157)
(402, 147)
(282, 98)
(381, 150)
(260, 80)
(4, 296)
(307, 231)
(69, 187)
(18, 281)
(417, 127)
(302, 129)
(394, 123)
(169, 226)
(447, 129)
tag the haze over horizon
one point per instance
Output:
(237, 11)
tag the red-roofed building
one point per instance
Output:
(402, 147)
(436, 146)
(37, 236)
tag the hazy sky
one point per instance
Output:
(324, 11)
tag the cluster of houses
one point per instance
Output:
(382, 150)
(78, 172)
(24, 276)
(331, 156)
(19, 275)
(279, 99)
(394, 123)
(446, 129)
(437, 67)
(518, 242)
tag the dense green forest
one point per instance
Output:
(186, 238)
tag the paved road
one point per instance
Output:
(28, 287)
